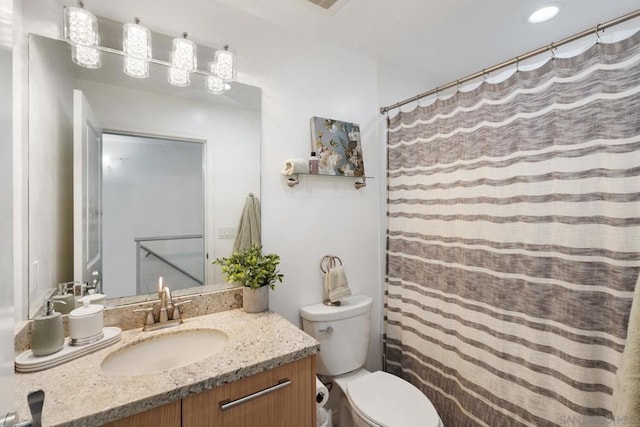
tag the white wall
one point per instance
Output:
(42, 17)
(322, 215)
(50, 174)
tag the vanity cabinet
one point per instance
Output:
(168, 415)
(281, 397)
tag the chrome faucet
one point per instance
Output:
(74, 287)
(169, 314)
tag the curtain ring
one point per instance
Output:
(484, 75)
(517, 64)
(459, 85)
(437, 93)
(552, 49)
(417, 100)
(597, 33)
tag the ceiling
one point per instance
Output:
(444, 39)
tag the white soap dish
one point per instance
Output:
(27, 362)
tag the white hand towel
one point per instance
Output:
(336, 284)
(294, 166)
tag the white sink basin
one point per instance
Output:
(164, 352)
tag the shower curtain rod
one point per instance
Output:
(516, 60)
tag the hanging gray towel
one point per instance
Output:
(626, 391)
(249, 227)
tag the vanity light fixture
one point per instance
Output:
(543, 14)
(81, 32)
(183, 61)
(136, 47)
(225, 65)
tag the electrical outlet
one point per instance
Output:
(226, 233)
(35, 274)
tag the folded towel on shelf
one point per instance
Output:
(294, 166)
(336, 284)
(626, 390)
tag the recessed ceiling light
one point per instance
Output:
(543, 14)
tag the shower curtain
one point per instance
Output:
(513, 243)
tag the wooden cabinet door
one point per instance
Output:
(281, 397)
(168, 415)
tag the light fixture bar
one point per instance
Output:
(81, 32)
(152, 60)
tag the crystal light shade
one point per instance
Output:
(183, 54)
(86, 56)
(179, 77)
(225, 65)
(136, 46)
(80, 26)
(135, 67)
(215, 84)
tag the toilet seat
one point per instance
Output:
(387, 400)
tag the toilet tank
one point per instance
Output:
(343, 333)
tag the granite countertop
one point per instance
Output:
(79, 393)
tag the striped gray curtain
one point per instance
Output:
(514, 242)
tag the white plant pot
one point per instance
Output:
(255, 300)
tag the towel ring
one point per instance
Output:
(328, 262)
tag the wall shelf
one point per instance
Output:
(361, 181)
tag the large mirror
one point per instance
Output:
(176, 166)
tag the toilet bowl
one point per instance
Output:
(374, 399)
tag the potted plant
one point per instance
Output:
(255, 271)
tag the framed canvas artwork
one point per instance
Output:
(337, 145)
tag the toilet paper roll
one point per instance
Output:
(322, 393)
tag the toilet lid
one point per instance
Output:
(388, 400)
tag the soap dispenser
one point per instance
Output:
(47, 336)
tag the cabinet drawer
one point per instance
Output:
(281, 397)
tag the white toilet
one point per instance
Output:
(375, 398)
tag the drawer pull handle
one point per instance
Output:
(228, 404)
